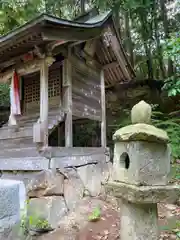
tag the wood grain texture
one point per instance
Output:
(103, 107)
(67, 101)
(86, 93)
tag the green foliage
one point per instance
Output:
(172, 48)
(172, 51)
(33, 222)
(4, 95)
(176, 230)
(95, 216)
(172, 226)
(175, 172)
(171, 126)
(38, 222)
(172, 85)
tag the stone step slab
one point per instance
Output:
(24, 164)
(19, 152)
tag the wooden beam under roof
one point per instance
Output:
(51, 34)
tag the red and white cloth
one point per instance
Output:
(14, 99)
(15, 95)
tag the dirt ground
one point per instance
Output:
(107, 227)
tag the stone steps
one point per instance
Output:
(25, 126)
(16, 143)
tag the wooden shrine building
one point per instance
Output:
(63, 69)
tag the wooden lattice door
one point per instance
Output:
(32, 93)
(32, 89)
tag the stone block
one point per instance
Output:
(139, 221)
(52, 209)
(73, 189)
(25, 176)
(46, 183)
(9, 203)
(143, 194)
(24, 164)
(141, 163)
(91, 177)
(75, 156)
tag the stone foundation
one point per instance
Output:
(53, 194)
(60, 183)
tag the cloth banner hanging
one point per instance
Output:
(14, 95)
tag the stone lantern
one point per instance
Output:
(141, 169)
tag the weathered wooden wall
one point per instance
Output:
(86, 92)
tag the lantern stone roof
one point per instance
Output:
(141, 128)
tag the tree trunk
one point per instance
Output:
(82, 2)
(146, 37)
(166, 31)
(129, 44)
(149, 61)
(157, 39)
(117, 18)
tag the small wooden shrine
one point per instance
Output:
(63, 68)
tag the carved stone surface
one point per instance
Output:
(141, 163)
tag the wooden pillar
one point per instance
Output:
(44, 100)
(67, 100)
(103, 111)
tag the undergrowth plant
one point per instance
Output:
(95, 215)
(33, 222)
(171, 124)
